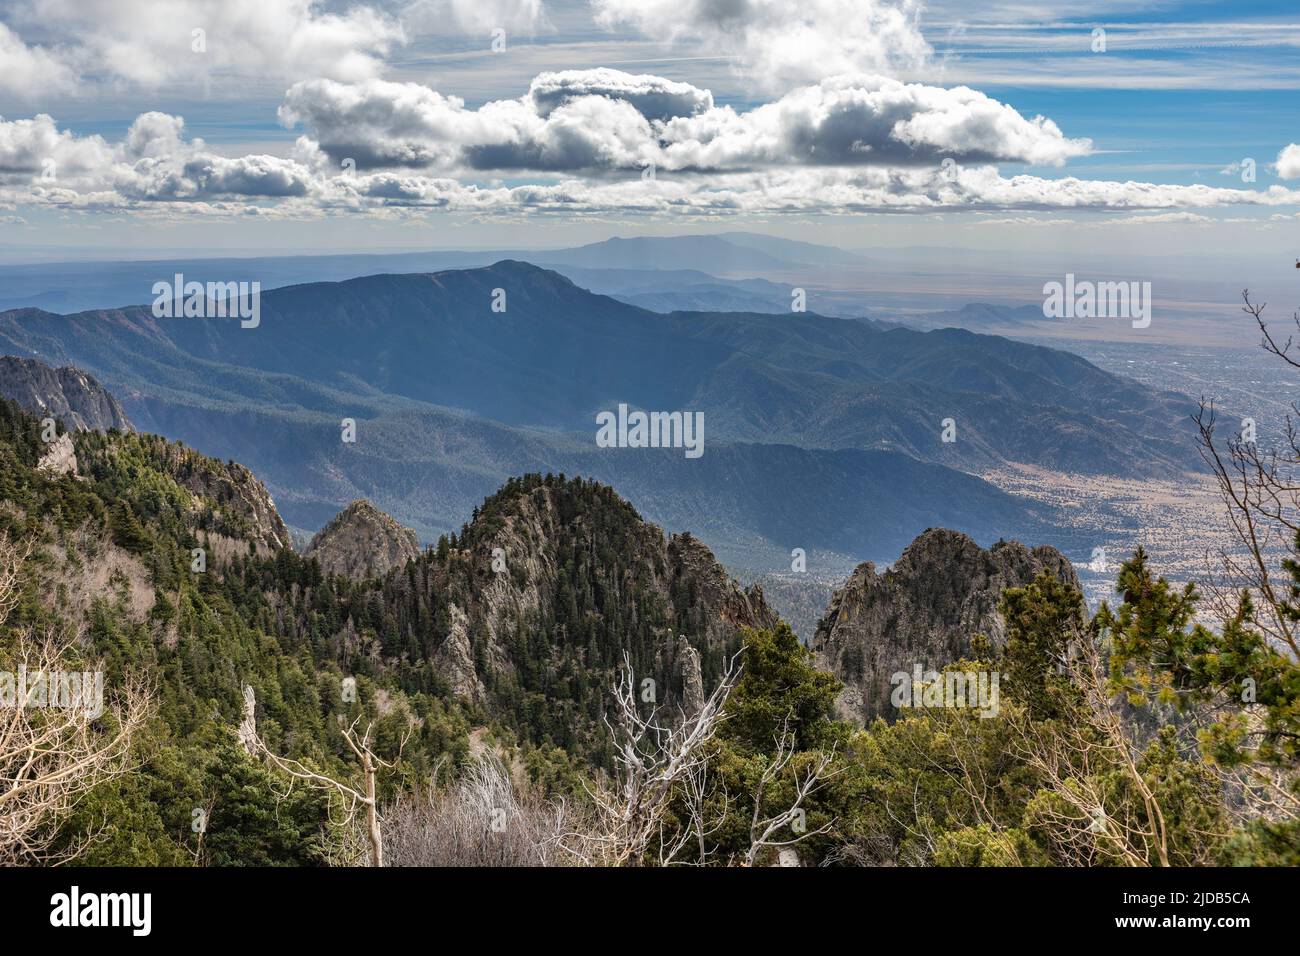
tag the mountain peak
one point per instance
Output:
(521, 267)
(363, 542)
(553, 579)
(924, 610)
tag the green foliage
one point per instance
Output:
(1243, 691)
(950, 787)
(1191, 808)
(248, 825)
(780, 689)
(563, 657)
(1041, 620)
(982, 845)
(941, 771)
(555, 772)
(210, 804)
(1160, 655)
(266, 620)
(1264, 843)
(780, 695)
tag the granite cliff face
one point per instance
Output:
(924, 610)
(68, 394)
(363, 542)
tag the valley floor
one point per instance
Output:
(1181, 523)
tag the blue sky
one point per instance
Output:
(1139, 142)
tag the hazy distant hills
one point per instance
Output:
(641, 265)
(727, 272)
(820, 433)
(754, 502)
(683, 252)
(559, 354)
(924, 288)
(977, 316)
(687, 290)
(789, 250)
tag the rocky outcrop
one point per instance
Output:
(235, 503)
(60, 457)
(925, 609)
(68, 394)
(692, 680)
(730, 608)
(363, 542)
(734, 606)
(248, 726)
(454, 660)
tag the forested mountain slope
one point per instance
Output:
(441, 643)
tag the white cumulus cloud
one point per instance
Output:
(781, 43)
(27, 72)
(1288, 162)
(150, 43)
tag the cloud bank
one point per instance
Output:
(608, 121)
(154, 170)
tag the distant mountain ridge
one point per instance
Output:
(716, 253)
(69, 287)
(976, 316)
(559, 354)
(824, 420)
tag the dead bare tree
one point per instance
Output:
(483, 818)
(1260, 490)
(347, 802)
(13, 555)
(655, 760)
(705, 812)
(808, 779)
(665, 800)
(55, 747)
